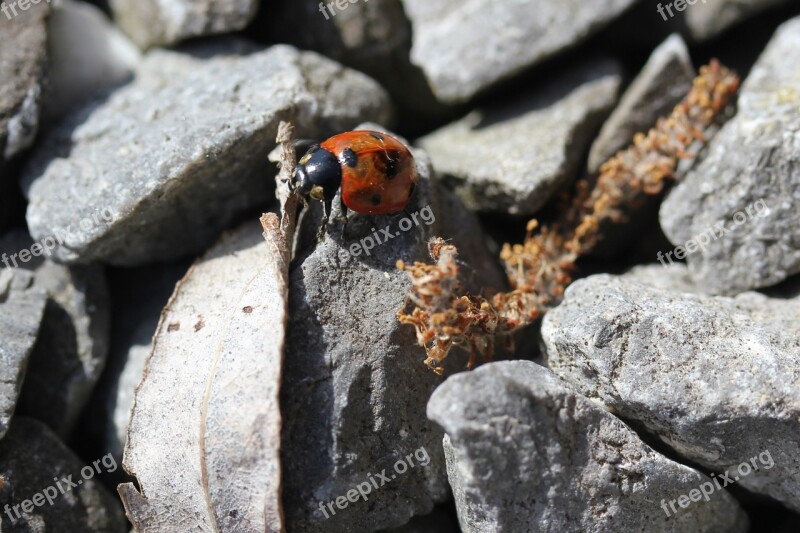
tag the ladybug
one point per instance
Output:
(376, 172)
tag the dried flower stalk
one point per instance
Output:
(541, 268)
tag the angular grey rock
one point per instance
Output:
(23, 58)
(86, 55)
(371, 36)
(513, 157)
(716, 378)
(707, 19)
(662, 83)
(354, 389)
(163, 22)
(742, 201)
(21, 309)
(171, 164)
(464, 47)
(525, 453)
(374, 28)
(72, 343)
(72, 346)
(31, 456)
(120, 400)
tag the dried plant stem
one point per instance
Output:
(541, 268)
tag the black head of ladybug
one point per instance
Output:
(318, 174)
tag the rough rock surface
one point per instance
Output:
(464, 47)
(175, 164)
(86, 55)
(662, 83)
(513, 157)
(30, 457)
(21, 309)
(354, 390)
(525, 453)
(23, 56)
(371, 36)
(707, 19)
(163, 22)
(716, 378)
(72, 343)
(373, 29)
(748, 182)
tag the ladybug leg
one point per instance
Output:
(343, 219)
(321, 232)
(323, 223)
(326, 210)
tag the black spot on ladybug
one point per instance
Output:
(390, 160)
(375, 135)
(350, 157)
(376, 199)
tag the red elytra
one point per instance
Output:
(376, 172)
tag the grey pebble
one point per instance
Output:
(513, 157)
(354, 389)
(23, 59)
(87, 55)
(31, 456)
(21, 309)
(661, 84)
(465, 47)
(168, 22)
(716, 378)
(526, 453)
(740, 206)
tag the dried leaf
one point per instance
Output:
(205, 431)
